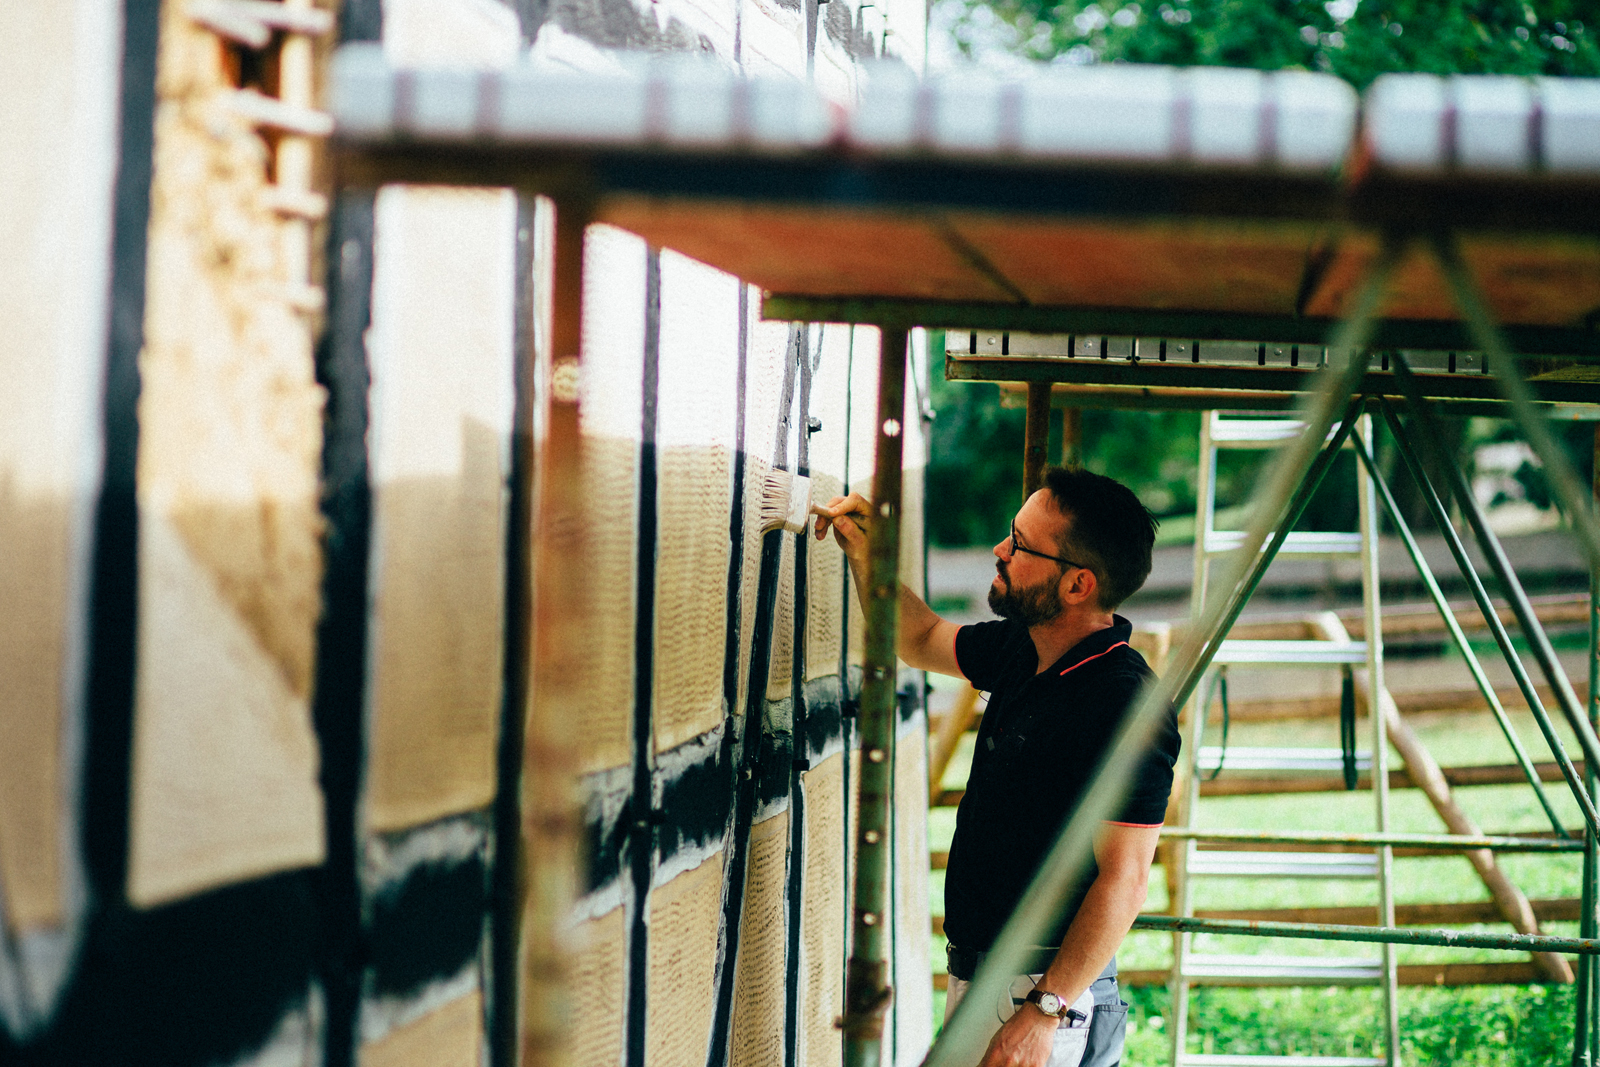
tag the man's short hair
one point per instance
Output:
(1111, 532)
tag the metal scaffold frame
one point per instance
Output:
(779, 154)
(1282, 495)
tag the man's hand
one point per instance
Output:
(1026, 1040)
(925, 641)
(847, 517)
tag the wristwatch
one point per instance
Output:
(1050, 1004)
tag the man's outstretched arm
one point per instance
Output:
(925, 641)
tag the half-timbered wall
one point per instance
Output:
(256, 479)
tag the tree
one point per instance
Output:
(1355, 40)
(976, 468)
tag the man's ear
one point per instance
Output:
(1080, 586)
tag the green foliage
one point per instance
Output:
(1357, 41)
(974, 479)
(1472, 1026)
(1483, 37)
(975, 473)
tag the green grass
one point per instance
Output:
(1474, 1025)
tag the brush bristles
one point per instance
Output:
(785, 501)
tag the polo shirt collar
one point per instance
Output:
(1093, 647)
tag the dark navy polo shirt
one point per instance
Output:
(1043, 735)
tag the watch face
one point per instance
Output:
(1050, 1003)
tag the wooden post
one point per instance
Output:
(1036, 442)
(1072, 437)
(1508, 899)
(1424, 770)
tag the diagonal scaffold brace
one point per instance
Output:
(1581, 514)
(1286, 486)
(1489, 544)
(1459, 637)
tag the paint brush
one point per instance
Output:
(786, 502)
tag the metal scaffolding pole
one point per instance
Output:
(1503, 365)
(1586, 1014)
(1554, 673)
(1303, 494)
(1456, 634)
(962, 1041)
(1490, 616)
(1442, 842)
(1377, 691)
(867, 991)
(1382, 935)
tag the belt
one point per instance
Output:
(964, 962)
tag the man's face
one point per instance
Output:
(1027, 587)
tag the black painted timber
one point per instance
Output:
(800, 761)
(344, 371)
(641, 839)
(755, 763)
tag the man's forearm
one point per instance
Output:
(916, 618)
(1097, 931)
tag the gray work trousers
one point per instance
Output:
(1098, 1044)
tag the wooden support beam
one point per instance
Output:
(1036, 442)
(1557, 609)
(1510, 900)
(1414, 974)
(1243, 785)
(1071, 437)
(1425, 771)
(1452, 913)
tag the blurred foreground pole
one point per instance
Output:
(558, 584)
(867, 993)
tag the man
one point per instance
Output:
(1061, 678)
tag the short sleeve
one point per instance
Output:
(981, 653)
(1146, 804)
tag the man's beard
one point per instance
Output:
(1032, 606)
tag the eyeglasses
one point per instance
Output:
(1016, 546)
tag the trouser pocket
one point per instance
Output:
(1071, 1037)
(1071, 1043)
(1107, 1032)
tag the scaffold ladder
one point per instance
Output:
(1333, 649)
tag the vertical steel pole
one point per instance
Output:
(1036, 438)
(1372, 616)
(1180, 852)
(549, 822)
(866, 991)
(1585, 1025)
